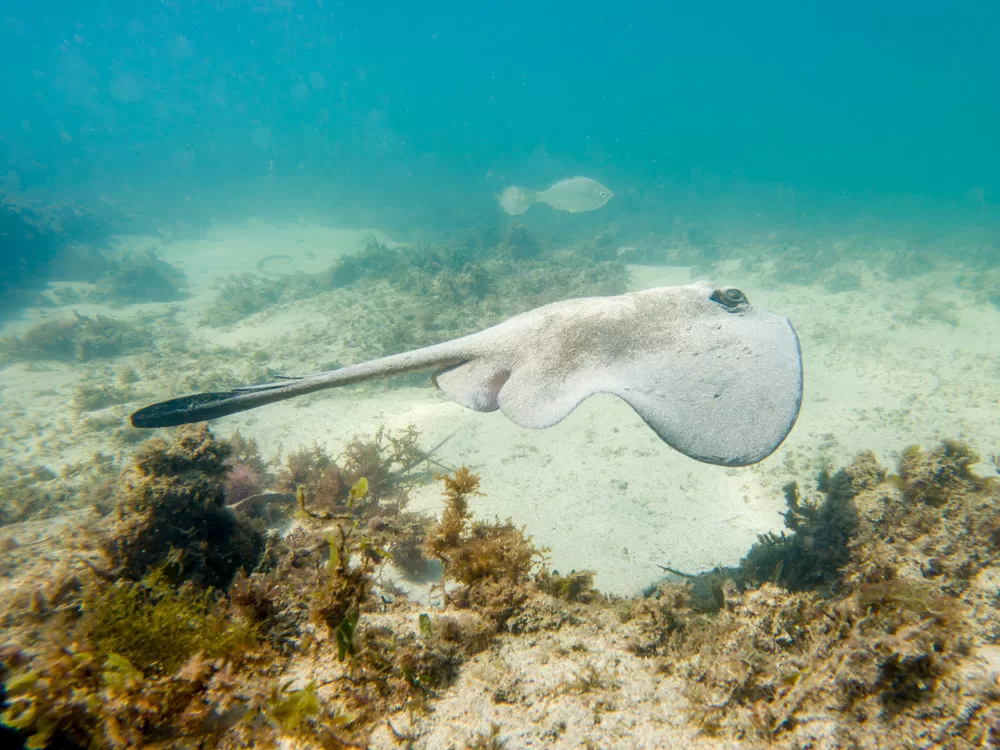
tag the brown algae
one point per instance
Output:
(872, 621)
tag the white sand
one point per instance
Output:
(600, 490)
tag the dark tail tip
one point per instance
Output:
(188, 409)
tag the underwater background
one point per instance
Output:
(200, 195)
(157, 114)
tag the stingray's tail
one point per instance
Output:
(202, 406)
(199, 407)
(516, 200)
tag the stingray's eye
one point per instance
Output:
(604, 193)
(731, 299)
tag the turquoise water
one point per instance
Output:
(150, 112)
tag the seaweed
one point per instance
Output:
(343, 589)
(935, 477)
(94, 397)
(246, 452)
(518, 244)
(860, 624)
(206, 658)
(385, 669)
(290, 708)
(983, 283)
(242, 295)
(36, 234)
(315, 469)
(124, 664)
(129, 660)
(247, 473)
(602, 247)
(577, 586)
(70, 696)
(403, 536)
(171, 512)
(30, 493)
(704, 243)
(135, 277)
(302, 713)
(36, 492)
(813, 554)
(157, 627)
(393, 667)
(878, 631)
(474, 283)
(374, 261)
(78, 340)
(242, 481)
(469, 285)
(389, 466)
(491, 561)
(907, 262)
(386, 461)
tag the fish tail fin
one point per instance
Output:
(516, 200)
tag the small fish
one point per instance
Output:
(574, 195)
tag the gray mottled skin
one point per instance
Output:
(719, 381)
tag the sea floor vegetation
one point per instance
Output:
(874, 623)
(190, 592)
(79, 339)
(176, 614)
(132, 277)
(467, 283)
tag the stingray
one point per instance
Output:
(714, 377)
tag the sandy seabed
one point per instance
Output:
(894, 364)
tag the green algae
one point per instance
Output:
(158, 627)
